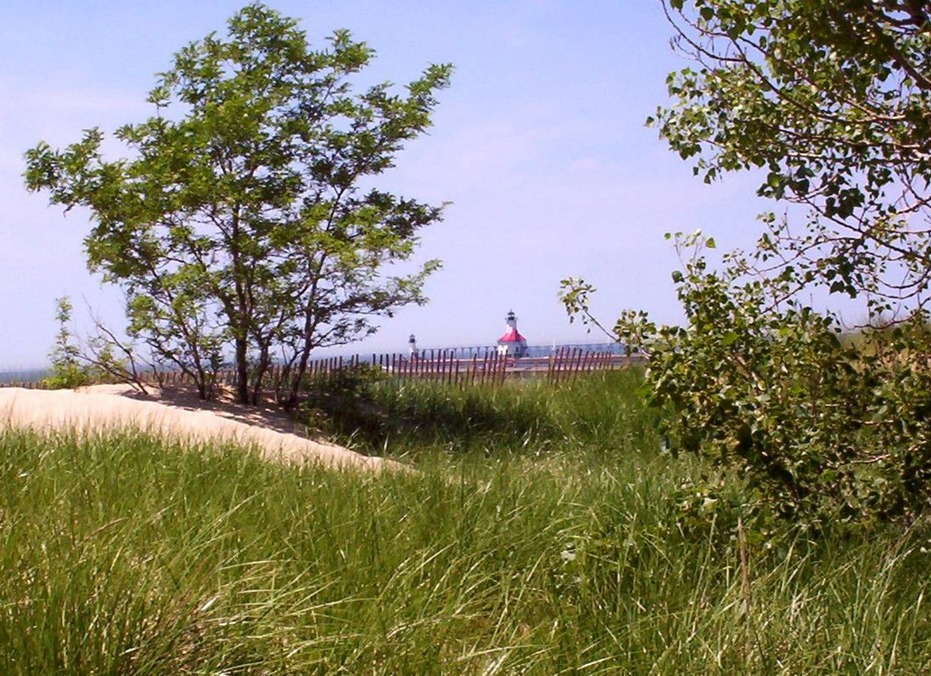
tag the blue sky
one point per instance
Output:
(539, 144)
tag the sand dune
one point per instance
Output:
(177, 414)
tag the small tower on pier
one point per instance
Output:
(512, 343)
(412, 351)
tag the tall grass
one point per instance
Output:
(602, 413)
(124, 554)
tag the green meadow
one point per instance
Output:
(543, 532)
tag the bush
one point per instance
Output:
(67, 370)
(819, 428)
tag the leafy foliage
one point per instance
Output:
(68, 371)
(240, 226)
(831, 102)
(819, 427)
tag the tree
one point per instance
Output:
(67, 369)
(832, 101)
(243, 223)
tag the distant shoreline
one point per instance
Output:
(24, 375)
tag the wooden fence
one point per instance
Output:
(439, 366)
(443, 366)
(27, 384)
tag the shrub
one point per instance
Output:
(819, 428)
(67, 369)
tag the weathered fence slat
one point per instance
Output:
(447, 366)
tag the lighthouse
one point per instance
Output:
(512, 343)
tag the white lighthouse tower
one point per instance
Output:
(512, 343)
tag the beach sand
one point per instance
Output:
(175, 413)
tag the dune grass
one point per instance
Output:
(126, 554)
(604, 412)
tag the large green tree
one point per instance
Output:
(243, 223)
(831, 101)
(830, 104)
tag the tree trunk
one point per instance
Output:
(261, 370)
(242, 371)
(298, 375)
(301, 368)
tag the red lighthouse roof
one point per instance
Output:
(512, 336)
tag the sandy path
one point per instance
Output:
(176, 414)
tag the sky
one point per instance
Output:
(539, 145)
